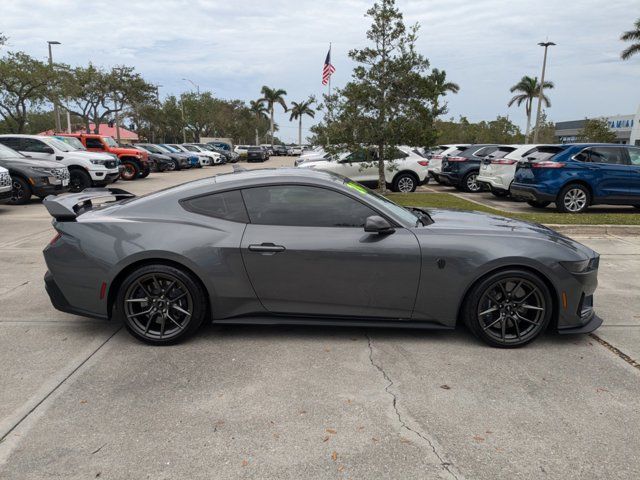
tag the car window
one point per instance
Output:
(483, 152)
(396, 154)
(94, 143)
(191, 148)
(35, 146)
(225, 205)
(11, 142)
(8, 153)
(502, 152)
(611, 155)
(541, 153)
(303, 206)
(634, 155)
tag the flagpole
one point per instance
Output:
(329, 75)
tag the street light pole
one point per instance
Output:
(194, 84)
(56, 111)
(536, 133)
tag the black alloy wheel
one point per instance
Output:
(509, 309)
(161, 304)
(21, 191)
(78, 180)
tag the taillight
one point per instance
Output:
(456, 159)
(436, 157)
(424, 163)
(547, 164)
(55, 239)
(503, 161)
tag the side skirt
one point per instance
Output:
(337, 322)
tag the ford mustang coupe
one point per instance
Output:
(294, 246)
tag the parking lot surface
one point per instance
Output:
(82, 399)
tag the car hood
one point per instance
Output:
(84, 154)
(478, 223)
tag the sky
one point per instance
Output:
(232, 48)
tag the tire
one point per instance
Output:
(79, 180)
(470, 184)
(130, 172)
(146, 170)
(499, 193)
(21, 192)
(404, 183)
(493, 311)
(573, 198)
(169, 166)
(538, 204)
(165, 323)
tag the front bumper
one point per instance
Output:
(42, 190)
(5, 194)
(527, 192)
(104, 175)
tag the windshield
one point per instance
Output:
(165, 149)
(173, 148)
(110, 141)
(6, 152)
(72, 141)
(151, 148)
(62, 146)
(384, 203)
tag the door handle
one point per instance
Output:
(266, 248)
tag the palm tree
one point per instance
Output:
(260, 110)
(441, 87)
(299, 110)
(528, 89)
(631, 36)
(271, 96)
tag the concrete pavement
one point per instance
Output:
(82, 399)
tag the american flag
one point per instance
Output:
(327, 69)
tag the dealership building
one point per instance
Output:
(626, 128)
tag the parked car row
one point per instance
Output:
(40, 165)
(572, 176)
(270, 151)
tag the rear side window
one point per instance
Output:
(541, 153)
(35, 146)
(94, 143)
(610, 155)
(224, 205)
(303, 206)
(634, 155)
(502, 152)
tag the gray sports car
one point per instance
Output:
(291, 246)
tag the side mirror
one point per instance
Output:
(48, 150)
(377, 224)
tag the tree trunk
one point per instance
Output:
(382, 183)
(528, 130)
(271, 126)
(300, 131)
(257, 138)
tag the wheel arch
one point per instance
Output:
(406, 171)
(117, 281)
(578, 181)
(537, 272)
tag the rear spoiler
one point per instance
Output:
(68, 206)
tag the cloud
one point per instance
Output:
(233, 48)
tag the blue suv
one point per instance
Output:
(579, 175)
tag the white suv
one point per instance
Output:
(86, 169)
(5, 184)
(404, 172)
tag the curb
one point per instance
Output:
(596, 229)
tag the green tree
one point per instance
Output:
(631, 36)
(25, 84)
(300, 109)
(596, 130)
(199, 111)
(259, 110)
(501, 130)
(390, 98)
(528, 89)
(3, 39)
(441, 86)
(271, 96)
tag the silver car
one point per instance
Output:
(297, 246)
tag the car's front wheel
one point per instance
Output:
(130, 171)
(78, 180)
(404, 183)
(161, 304)
(508, 308)
(20, 192)
(574, 198)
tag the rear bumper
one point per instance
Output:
(526, 192)
(59, 301)
(493, 183)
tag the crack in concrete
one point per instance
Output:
(447, 466)
(12, 289)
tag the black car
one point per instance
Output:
(32, 177)
(160, 162)
(180, 159)
(256, 154)
(461, 170)
(229, 156)
(280, 150)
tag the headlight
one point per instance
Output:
(47, 171)
(98, 162)
(582, 266)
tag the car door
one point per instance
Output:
(306, 253)
(607, 171)
(359, 166)
(36, 149)
(634, 172)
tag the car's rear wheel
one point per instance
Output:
(538, 204)
(146, 170)
(574, 198)
(130, 171)
(470, 183)
(20, 192)
(404, 183)
(499, 193)
(509, 308)
(78, 180)
(161, 304)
